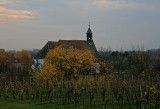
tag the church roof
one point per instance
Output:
(75, 43)
(80, 44)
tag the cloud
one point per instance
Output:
(104, 5)
(3, 2)
(9, 14)
(108, 4)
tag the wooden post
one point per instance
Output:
(82, 81)
(77, 83)
(82, 91)
(157, 77)
(149, 79)
(130, 86)
(70, 82)
(62, 84)
(10, 82)
(103, 81)
(112, 96)
(56, 81)
(5, 83)
(86, 83)
(96, 90)
(30, 80)
(23, 81)
(38, 84)
(49, 82)
(16, 84)
(45, 85)
(53, 87)
(140, 91)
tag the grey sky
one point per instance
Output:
(116, 24)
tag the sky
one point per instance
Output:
(116, 24)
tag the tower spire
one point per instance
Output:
(89, 29)
(89, 35)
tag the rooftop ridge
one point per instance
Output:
(74, 40)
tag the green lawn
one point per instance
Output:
(9, 103)
(28, 104)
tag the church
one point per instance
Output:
(80, 44)
(87, 44)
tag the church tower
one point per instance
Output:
(89, 35)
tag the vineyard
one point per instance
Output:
(87, 91)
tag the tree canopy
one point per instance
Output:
(24, 56)
(66, 61)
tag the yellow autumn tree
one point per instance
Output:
(24, 56)
(66, 61)
(25, 59)
(3, 57)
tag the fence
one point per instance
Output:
(100, 91)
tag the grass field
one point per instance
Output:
(10, 103)
(28, 104)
